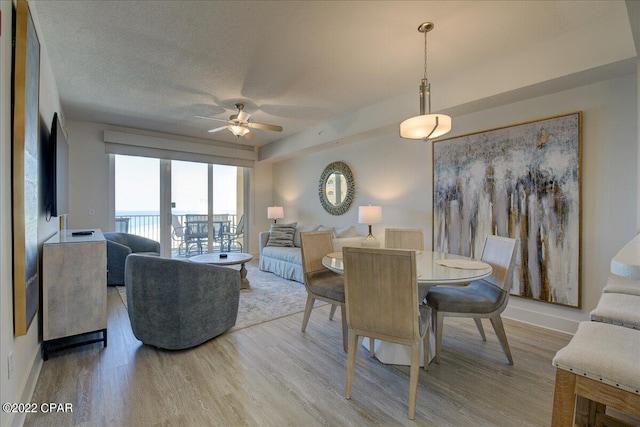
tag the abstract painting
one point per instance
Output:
(520, 181)
(26, 92)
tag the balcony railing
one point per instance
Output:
(149, 226)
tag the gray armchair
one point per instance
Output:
(175, 304)
(119, 246)
(485, 298)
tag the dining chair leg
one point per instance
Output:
(333, 311)
(439, 320)
(345, 330)
(480, 328)
(372, 343)
(413, 378)
(351, 362)
(496, 321)
(307, 311)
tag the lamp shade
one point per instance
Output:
(370, 214)
(425, 126)
(275, 212)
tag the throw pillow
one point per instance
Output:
(302, 229)
(281, 235)
(346, 232)
(331, 229)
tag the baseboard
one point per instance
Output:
(28, 387)
(543, 320)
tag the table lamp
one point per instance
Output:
(370, 215)
(275, 213)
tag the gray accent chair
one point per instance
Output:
(485, 298)
(119, 246)
(176, 304)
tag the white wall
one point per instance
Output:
(638, 121)
(388, 171)
(261, 197)
(88, 177)
(25, 349)
(397, 174)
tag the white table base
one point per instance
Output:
(397, 354)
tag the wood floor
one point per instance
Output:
(274, 375)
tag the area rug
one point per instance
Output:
(270, 297)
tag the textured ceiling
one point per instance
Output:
(155, 64)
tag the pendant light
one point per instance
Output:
(426, 125)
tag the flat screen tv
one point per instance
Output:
(57, 170)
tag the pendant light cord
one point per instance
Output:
(425, 55)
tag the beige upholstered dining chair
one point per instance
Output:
(404, 238)
(381, 294)
(485, 298)
(321, 283)
(400, 238)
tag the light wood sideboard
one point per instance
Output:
(74, 290)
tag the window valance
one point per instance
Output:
(174, 149)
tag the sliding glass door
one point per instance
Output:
(189, 208)
(137, 196)
(205, 204)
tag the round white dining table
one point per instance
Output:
(430, 272)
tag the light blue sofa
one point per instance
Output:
(286, 262)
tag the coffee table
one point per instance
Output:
(231, 259)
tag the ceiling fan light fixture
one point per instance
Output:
(238, 130)
(426, 125)
(239, 124)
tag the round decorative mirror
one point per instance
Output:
(336, 188)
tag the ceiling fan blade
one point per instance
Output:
(217, 129)
(243, 116)
(263, 126)
(248, 135)
(211, 118)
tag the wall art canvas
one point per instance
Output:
(26, 94)
(520, 181)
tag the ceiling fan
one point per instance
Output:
(239, 124)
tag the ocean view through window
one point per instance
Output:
(138, 188)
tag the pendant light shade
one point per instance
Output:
(426, 125)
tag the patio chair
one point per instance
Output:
(196, 232)
(177, 234)
(231, 238)
(122, 224)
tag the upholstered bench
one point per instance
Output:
(618, 309)
(599, 367)
(622, 285)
